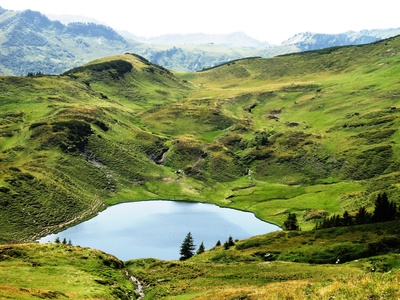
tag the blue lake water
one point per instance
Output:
(157, 228)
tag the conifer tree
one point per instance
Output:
(384, 209)
(201, 249)
(226, 245)
(187, 247)
(291, 222)
(347, 220)
(362, 216)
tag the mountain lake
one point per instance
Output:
(157, 228)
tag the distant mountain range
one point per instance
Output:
(30, 42)
(313, 41)
(235, 39)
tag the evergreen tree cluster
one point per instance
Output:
(35, 74)
(188, 247)
(229, 243)
(384, 210)
(64, 241)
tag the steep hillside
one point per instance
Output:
(68, 141)
(314, 133)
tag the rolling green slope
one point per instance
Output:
(58, 271)
(316, 123)
(302, 133)
(66, 146)
(344, 263)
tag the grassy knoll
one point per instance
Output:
(58, 271)
(352, 262)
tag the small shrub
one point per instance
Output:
(35, 125)
(26, 176)
(4, 189)
(15, 169)
(74, 135)
(315, 215)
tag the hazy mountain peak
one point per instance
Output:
(312, 41)
(94, 30)
(31, 42)
(35, 17)
(67, 19)
(234, 39)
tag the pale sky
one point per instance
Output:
(270, 21)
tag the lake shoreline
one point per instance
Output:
(142, 221)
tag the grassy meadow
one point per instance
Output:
(313, 133)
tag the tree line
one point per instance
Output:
(64, 241)
(384, 210)
(188, 247)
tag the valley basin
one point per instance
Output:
(157, 229)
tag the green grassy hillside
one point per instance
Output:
(307, 133)
(318, 129)
(69, 142)
(58, 271)
(348, 263)
(313, 133)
